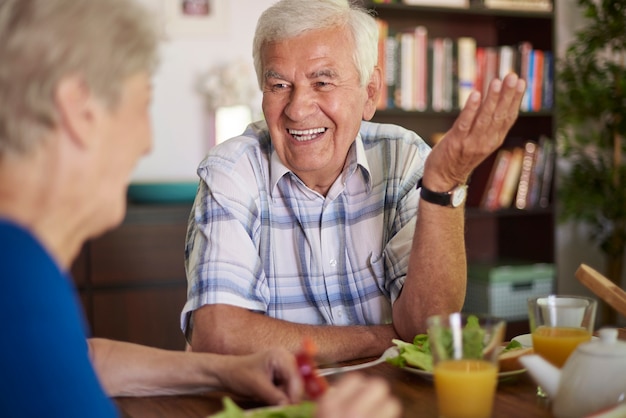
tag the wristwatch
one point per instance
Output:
(454, 198)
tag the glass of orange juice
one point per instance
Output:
(465, 351)
(558, 324)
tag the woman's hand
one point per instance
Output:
(271, 376)
(356, 396)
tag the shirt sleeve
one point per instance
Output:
(222, 257)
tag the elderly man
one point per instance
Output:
(316, 222)
(75, 89)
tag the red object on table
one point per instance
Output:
(314, 385)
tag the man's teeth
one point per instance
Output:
(306, 134)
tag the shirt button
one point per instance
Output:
(333, 262)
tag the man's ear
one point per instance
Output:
(373, 94)
(76, 107)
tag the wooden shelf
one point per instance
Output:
(132, 280)
(509, 233)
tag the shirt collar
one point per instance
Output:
(278, 169)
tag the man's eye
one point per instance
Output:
(323, 85)
(279, 86)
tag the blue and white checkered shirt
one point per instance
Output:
(258, 238)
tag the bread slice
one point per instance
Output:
(509, 360)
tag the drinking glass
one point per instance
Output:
(465, 351)
(558, 324)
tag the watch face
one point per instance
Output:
(458, 196)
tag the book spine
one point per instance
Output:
(548, 170)
(511, 179)
(383, 33)
(524, 52)
(537, 79)
(481, 68)
(391, 67)
(421, 71)
(548, 80)
(492, 192)
(491, 68)
(407, 73)
(449, 74)
(466, 47)
(531, 5)
(506, 61)
(521, 198)
(534, 188)
(437, 71)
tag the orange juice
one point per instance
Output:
(465, 388)
(555, 344)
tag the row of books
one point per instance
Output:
(529, 5)
(521, 177)
(438, 73)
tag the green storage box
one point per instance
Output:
(503, 288)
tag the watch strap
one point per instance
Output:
(438, 198)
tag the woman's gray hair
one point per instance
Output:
(289, 18)
(42, 41)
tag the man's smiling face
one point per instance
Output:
(313, 102)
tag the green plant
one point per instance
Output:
(591, 105)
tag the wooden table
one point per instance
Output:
(515, 398)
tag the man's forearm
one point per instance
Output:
(436, 276)
(231, 330)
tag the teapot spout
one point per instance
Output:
(544, 373)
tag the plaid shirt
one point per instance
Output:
(258, 238)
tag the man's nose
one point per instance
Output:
(301, 104)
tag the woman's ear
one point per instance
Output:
(77, 109)
(373, 94)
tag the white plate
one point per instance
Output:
(526, 340)
(429, 375)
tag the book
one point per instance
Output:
(466, 64)
(437, 63)
(527, 5)
(537, 80)
(491, 68)
(439, 3)
(383, 33)
(548, 171)
(407, 71)
(528, 161)
(491, 194)
(511, 178)
(392, 67)
(421, 70)
(547, 98)
(481, 68)
(534, 187)
(524, 50)
(449, 74)
(506, 60)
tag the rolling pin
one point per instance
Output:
(602, 287)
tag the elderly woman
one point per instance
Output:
(74, 98)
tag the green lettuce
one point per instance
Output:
(418, 354)
(231, 410)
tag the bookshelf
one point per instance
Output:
(500, 233)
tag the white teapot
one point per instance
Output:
(593, 377)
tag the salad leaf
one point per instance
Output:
(231, 410)
(473, 339)
(418, 353)
(513, 345)
(415, 355)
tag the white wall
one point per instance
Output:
(182, 124)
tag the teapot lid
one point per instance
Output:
(606, 346)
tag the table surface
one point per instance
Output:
(515, 398)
